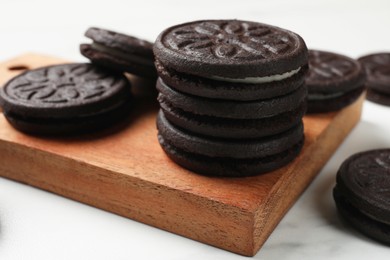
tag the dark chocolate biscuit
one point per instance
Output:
(230, 49)
(65, 98)
(377, 67)
(333, 81)
(218, 147)
(378, 97)
(370, 227)
(229, 167)
(329, 103)
(120, 52)
(231, 109)
(210, 88)
(364, 179)
(363, 183)
(232, 128)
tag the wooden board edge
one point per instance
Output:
(147, 202)
(268, 217)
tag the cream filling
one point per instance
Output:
(259, 80)
(122, 55)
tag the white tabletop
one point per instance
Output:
(35, 224)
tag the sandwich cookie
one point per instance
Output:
(65, 99)
(334, 81)
(377, 68)
(231, 59)
(233, 158)
(232, 109)
(362, 193)
(119, 52)
(232, 119)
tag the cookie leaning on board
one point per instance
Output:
(120, 52)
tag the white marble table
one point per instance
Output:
(38, 225)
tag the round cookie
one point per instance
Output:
(334, 81)
(231, 109)
(120, 52)
(371, 228)
(333, 102)
(230, 49)
(378, 97)
(231, 59)
(232, 128)
(217, 147)
(65, 99)
(363, 182)
(225, 157)
(216, 89)
(377, 68)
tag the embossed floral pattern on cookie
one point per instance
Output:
(230, 40)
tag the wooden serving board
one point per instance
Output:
(123, 170)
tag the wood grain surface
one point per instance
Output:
(123, 170)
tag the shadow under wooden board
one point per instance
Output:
(123, 170)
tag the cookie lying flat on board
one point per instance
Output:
(377, 67)
(65, 99)
(334, 81)
(120, 52)
(362, 193)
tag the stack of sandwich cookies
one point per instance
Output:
(334, 81)
(362, 193)
(377, 67)
(231, 94)
(119, 52)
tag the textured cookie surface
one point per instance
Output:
(333, 81)
(64, 99)
(332, 73)
(364, 180)
(119, 41)
(230, 48)
(64, 91)
(377, 68)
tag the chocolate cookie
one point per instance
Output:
(232, 128)
(120, 52)
(221, 157)
(65, 99)
(231, 59)
(377, 68)
(229, 108)
(334, 81)
(363, 185)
